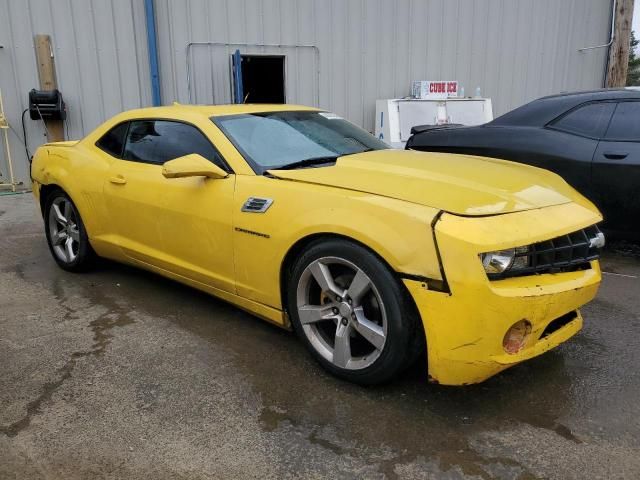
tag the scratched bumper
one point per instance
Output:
(466, 327)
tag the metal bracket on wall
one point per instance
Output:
(259, 45)
(613, 31)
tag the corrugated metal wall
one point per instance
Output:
(101, 60)
(515, 50)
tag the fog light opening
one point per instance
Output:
(516, 337)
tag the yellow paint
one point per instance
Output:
(192, 165)
(455, 183)
(190, 228)
(465, 329)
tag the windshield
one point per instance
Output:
(277, 139)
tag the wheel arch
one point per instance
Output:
(420, 343)
(305, 242)
(46, 191)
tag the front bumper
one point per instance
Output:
(466, 327)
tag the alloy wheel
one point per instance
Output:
(341, 313)
(63, 229)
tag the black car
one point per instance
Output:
(591, 139)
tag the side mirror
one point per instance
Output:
(192, 165)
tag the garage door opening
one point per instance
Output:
(263, 79)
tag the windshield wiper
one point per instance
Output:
(307, 162)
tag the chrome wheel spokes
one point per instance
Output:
(341, 312)
(342, 346)
(63, 229)
(322, 275)
(359, 286)
(316, 313)
(371, 331)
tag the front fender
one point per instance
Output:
(398, 231)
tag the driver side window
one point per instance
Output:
(158, 141)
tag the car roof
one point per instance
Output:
(599, 94)
(177, 110)
(541, 111)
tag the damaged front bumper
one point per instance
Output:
(466, 326)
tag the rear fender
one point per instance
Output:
(79, 172)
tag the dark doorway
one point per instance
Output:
(263, 78)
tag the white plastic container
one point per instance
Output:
(396, 116)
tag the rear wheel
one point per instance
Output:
(66, 235)
(351, 312)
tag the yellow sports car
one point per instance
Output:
(371, 255)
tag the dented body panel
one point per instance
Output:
(465, 328)
(427, 216)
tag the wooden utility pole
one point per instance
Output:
(4, 128)
(619, 50)
(47, 76)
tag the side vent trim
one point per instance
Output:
(256, 205)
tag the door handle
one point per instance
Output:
(118, 180)
(615, 155)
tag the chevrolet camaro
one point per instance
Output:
(371, 255)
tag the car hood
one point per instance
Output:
(459, 184)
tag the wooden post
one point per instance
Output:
(4, 127)
(619, 50)
(47, 76)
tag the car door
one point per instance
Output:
(181, 225)
(132, 197)
(616, 169)
(568, 144)
(565, 145)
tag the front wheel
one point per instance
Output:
(66, 235)
(351, 313)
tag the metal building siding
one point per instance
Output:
(101, 64)
(515, 50)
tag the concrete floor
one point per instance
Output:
(122, 374)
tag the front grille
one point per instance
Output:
(565, 253)
(558, 323)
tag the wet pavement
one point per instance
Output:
(122, 374)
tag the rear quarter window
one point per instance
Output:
(112, 142)
(588, 121)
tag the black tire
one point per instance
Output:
(83, 257)
(404, 338)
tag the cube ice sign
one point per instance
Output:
(434, 89)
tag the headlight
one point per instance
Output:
(503, 260)
(568, 252)
(498, 262)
